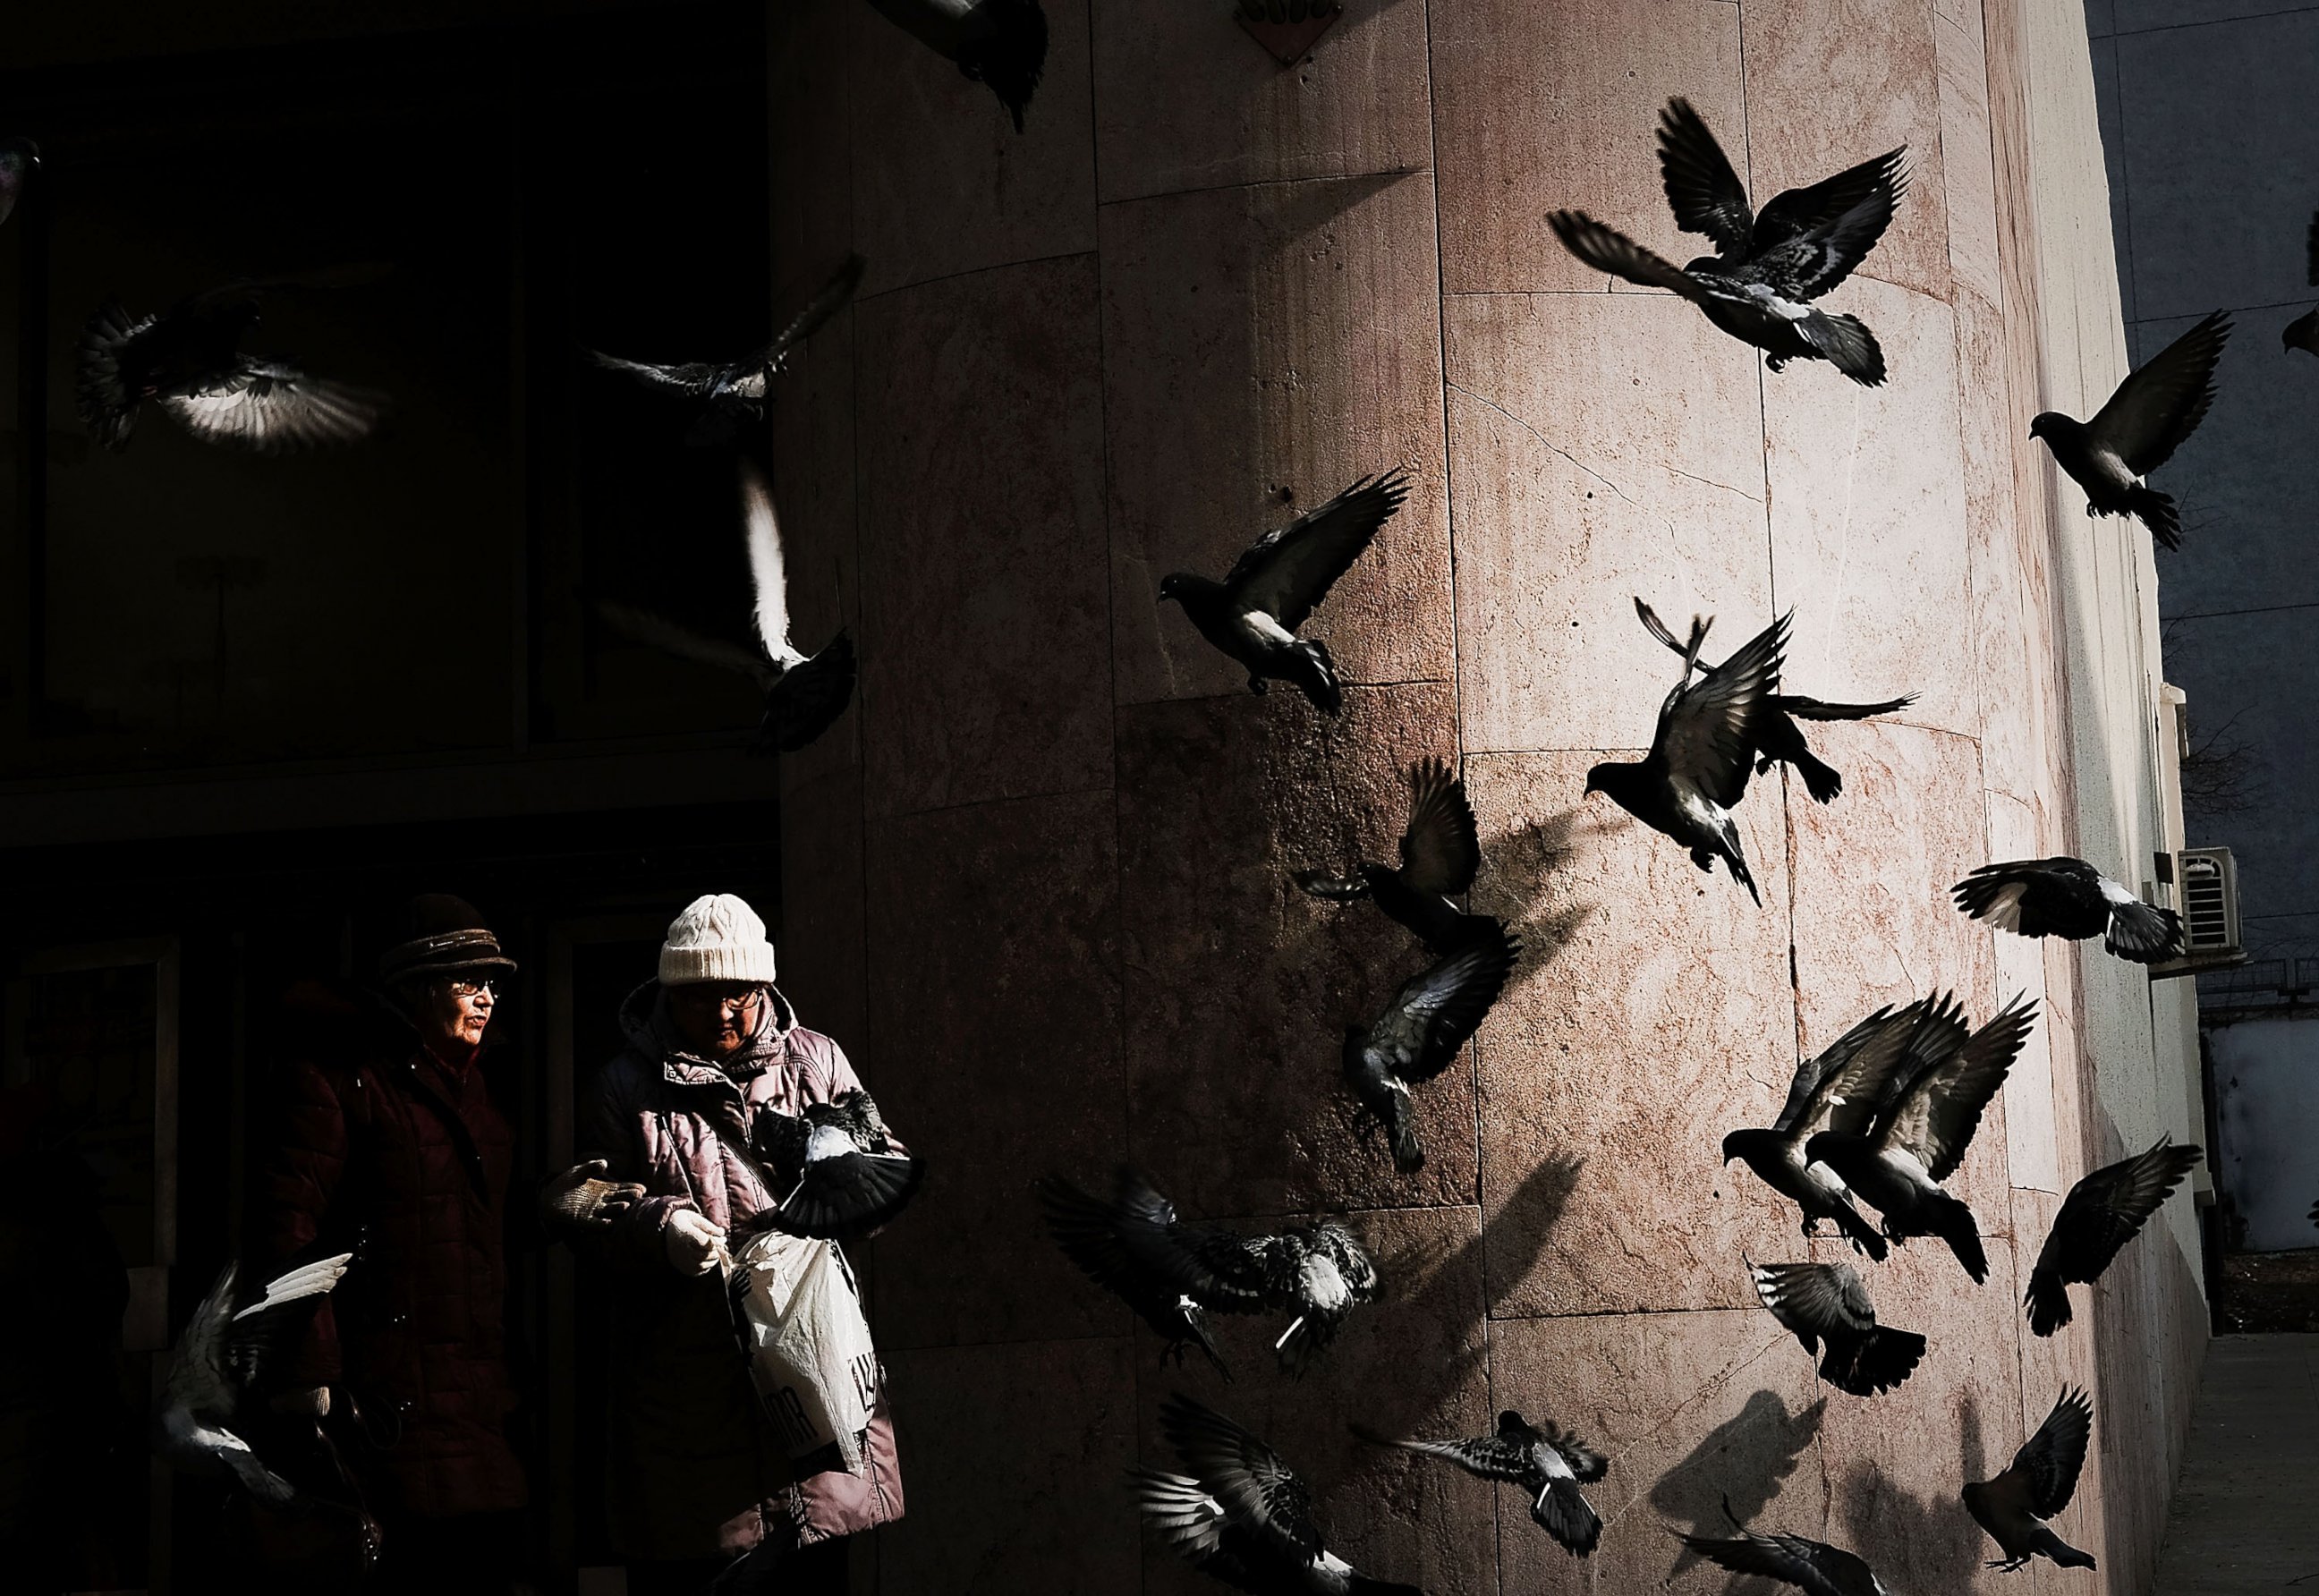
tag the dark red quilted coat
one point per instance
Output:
(387, 1149)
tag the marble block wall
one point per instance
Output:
(1038, 879)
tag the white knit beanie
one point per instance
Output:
(717, 938)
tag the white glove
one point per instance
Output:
(694, 1245)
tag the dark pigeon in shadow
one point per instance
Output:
(1001, 44)
(1172, 1273)
(2102, 1214)
(2302, 332)
(1440, 852)
(19, 159)
(850, 1177)
(1548, 1462)
(1421, 1031)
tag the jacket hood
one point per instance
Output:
(645, 1022)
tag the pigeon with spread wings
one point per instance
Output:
(1243, 1516)
(1813, 1567)
(729, 392)
(1702, 752)
(189, 361)
(1440, 850)
(1767, 268)
(804, 693)
(2102, 1214)
(2067, 897)
(1921, 1132)
(1548, 1462)
(1421, 1032)
(1001, 44)
(2148, 418)
(851, 1174)
(1170, 1273)
(1253, 615)
(2037, 1485)
(1826, 1307)
(1783, 740)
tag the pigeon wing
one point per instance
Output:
(657, 631)
(1704, 193)
(200, 1381)
(766, 573)
(1810, 1566)
(850, 1193)
(2047, 1465)
(2163, 403)
(1289, 571)
(1441, 849)
(254, 1333)
(2108, 1208)
(1192, 1522)
(1586, 1463)
(809, 696)
(827, 300)
(1809, 239)
(1215, 1268)
(1821, 1298)
(1708, 729)
(1487, 1457)
(1439, 1009)
(270, 407)
(1935, 1114)
(1258, 1490)
(1607, 250)
(1818, 1079)
(695, 379)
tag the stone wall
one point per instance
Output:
(1039, 883)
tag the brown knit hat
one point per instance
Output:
(441, 933)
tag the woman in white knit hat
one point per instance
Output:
(711, 1043)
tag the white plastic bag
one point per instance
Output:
(810, 1355)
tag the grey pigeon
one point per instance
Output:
(1813, 1567)
(1243, 1516)
(219, 1359)
(2038, 1484)
(999, 43)
(2153, 410)
(1548, 1464)
(804, 693)
(2102, 1214)
(1172, 1275)
(190, 363)
(1322, 1273)
(1921, 1132)
(1253, 614)
(1839, 1089)
(1782, 739)
(2067, 897)
(1826, 1306)
(727, 393)
(1696, 769)
(1767, 268)
(2302, 332)
(19, 159)
(1421, 1032)
(1440, 850)
(850, 1175)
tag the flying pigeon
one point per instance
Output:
(1766, 269)
(1826, 1304)
(1840, 1090)
(1548, 1464)
(2063, 896)
(2302, 333)
(1171, 1275)
(2037, 1484)
(219, 1358)
(1253, 614)
(1812, 1566)
(19, 159)
(1242, 1517)
(731, 393)
(1421, 1032)
(1324, 1273)
(2101, 1215)
(999, 43)
(1697, 769)
(1920, 1135)
(1440, 850)
(1783, 740)
(850, 1176)
(804, 693)
(190, 363)
(2157, 407)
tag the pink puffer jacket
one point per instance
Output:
(691, 1461)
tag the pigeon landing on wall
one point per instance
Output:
(1702, 752)
(19, 159)
(1421, 1031)
(1825, 1305)
(1440, 850)
(2302, 332)
(804, 693)
(1243, 1516)
(2036, 1486)
(1001, 44)
(2153, 410)
(1253, 615)
(1812, 1566)
(728, 393)
(1920, 1135)
(850, 1175)
(2069, 898)
(1767, 268)
(189, 362)
(1783, 740)
(1548, 1463)
(2102, 1214)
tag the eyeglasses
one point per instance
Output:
(704, 998)
(463, 987)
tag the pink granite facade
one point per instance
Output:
(1038, 880)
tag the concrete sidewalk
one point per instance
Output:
(2246, 1510)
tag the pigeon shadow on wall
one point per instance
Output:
(1516, 869)
(1517, 1229)
(1935, 1539)
(1742, 1461)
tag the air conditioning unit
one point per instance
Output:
(2207, 886)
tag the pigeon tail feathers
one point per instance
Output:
(1848, 344)
(1401, 1124)
(1315, 673)
(1566, 1514)
(2048, 1300)
(2062, 1551)
(2142, 933)
(1860, 1232)
(1954, 1223)
(2156, 511)
(1821, 779)
(106, 406)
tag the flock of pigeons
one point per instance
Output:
(1884, 1116)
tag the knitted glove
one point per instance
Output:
(580, 1199)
